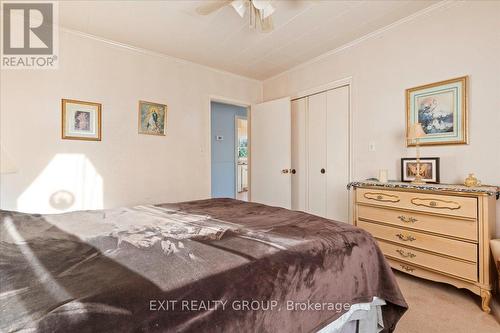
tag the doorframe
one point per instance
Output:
(236, 145)
(347, 81)
(235, 102)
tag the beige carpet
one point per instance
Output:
(437, 307)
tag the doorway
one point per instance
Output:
(229, 151)
(241, 144)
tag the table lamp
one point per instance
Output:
(415, 132)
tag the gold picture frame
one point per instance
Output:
(152, 118)
(80, 120)
(442, 109)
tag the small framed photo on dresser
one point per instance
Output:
(429, 169)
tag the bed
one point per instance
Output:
(216, 265)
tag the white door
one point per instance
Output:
(270, 153)
(316, 149)
(299, 151)
(337, 154)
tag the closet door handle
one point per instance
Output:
(293, 171)
(322, 170)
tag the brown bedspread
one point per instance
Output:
(217, 265)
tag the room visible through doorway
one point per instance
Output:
(229, 151)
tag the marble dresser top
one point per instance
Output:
(488, 189)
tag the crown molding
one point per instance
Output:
(368, 36)
(154, 54)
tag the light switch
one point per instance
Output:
(371, 146)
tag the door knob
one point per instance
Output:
(323, 170)
(293, 171)
(284, 171)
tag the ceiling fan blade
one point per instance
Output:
(240, 6)
(213, 6)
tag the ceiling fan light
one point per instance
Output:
(267, 11)
(266, 25)
(239, 6)
(264, 6)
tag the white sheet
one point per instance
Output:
(369, 316)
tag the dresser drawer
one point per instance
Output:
(450, 266)
(431, 203)
(451, 226)
(446, 246)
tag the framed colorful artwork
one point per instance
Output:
(429, 169)
(81, 120)
(441, 108)
(152, 118)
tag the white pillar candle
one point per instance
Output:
(382, 175)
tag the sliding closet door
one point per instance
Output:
(337, 122)
(316, 150)
(299, 161)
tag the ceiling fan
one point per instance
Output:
(259, 11)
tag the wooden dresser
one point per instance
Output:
(441, 234)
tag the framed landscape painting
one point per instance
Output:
(81, 120)
(152, 118)
(441, 108)
(429, 169)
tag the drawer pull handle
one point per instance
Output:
(407, 268)
(405, 254)
(383, 197)
(407, 219)
(436, 203)
(406, 238)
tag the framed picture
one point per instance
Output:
(152, 118)
(441, 108)
(429, 169)
(81, 120)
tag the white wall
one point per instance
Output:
(125, 167)
(454, 40)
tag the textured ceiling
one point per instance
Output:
(223, 40)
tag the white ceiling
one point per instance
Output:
(223, 40)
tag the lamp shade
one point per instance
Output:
(6, 163)
(415, 131)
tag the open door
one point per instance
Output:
(270, 153)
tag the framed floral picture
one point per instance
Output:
(441, 108)
(152, 118)
(81, 120)
(429, 169)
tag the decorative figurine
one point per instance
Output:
(471, 181)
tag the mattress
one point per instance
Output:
(217, 265)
